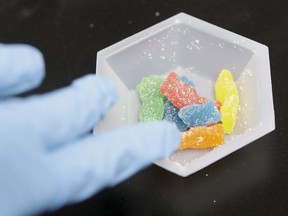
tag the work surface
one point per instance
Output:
(250, 181)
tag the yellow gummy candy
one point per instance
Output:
(226, 92)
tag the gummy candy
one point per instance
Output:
(171, 114)
(202, 137)
(187, 81)
(152, 107)
(179, 93)
(149, 87)
(200, 114)
(227, 94)
(218, 104)
(208, 121)
(152, 110)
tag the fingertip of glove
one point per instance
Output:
(34, 62)
(167, 133)
(25, 65)
(104, 86)
(108, 84)
(37, 64)
(172, 137)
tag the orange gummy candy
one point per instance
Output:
(202, 137)
(218, 104)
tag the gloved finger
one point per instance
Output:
(60, 116)
(110, 157)
(21, 68)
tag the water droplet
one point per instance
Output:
(157, 13)
(162, 57)
(91, 25)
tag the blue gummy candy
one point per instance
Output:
(171, 114)
(200, 114)
(187, 81)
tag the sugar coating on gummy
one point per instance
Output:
(171, 114)
(227, 94)
(200, 114)
(180, 94)
(149, 87)
(152, 110)
(202, 137)
(152, 107)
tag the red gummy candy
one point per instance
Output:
(179, 93)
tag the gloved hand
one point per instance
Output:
(48, 158)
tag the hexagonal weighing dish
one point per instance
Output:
(199, 50)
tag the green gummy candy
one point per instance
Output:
(152, 107)
(151, 110)
(149, 87)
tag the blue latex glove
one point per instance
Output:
(48, 158)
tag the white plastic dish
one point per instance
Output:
(199, 50)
